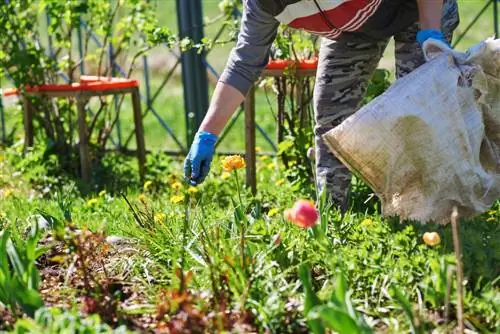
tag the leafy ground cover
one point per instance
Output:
(162, 256)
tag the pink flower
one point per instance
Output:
(303, 214)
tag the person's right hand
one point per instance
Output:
(197, 162)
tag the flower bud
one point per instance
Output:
(432, 238)
(302, 214)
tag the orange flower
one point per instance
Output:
(303, 214)
(233, 162)
(432, 238)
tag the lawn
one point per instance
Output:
(160, 256)
(200, 258)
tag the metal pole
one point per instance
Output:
(80, 47)
(194, 75)
(495, 17)
(49, 37)
(2, 119)
(473, 22)
(115, 98)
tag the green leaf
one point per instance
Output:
(239, 215)
(406, 306)
(4, 261)
(311, 299)
(339, 294)
(30, 300)
(15, 259)
(338, 320)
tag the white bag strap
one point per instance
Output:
(433, 48)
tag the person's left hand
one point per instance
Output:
(426, 34)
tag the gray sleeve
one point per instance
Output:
(251, 53)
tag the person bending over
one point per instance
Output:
(355, 34)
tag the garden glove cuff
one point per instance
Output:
(197, 163)
(426, 34)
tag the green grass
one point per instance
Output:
(375, 255)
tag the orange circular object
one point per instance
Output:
(279, 64)
(89, 83)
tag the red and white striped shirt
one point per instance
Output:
(328, 18)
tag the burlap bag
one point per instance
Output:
(432, 140)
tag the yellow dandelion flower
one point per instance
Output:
(491, 219)
(92, 201)
(225, 175)
(177, 199)
(192, 190)
(8, 192)
(143, 198)
(159, 217)
(280, 182)
(271, 165)
(273, 212)
(258, 149)
(147, 185)
(233, 162)
(366, 222)
(102, 193)
(176, 185)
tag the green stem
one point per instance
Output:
(243, 226)
(238, 188)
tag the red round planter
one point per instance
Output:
(280, 64)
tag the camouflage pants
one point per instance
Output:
(345, 67)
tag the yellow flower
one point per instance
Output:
(366, 222)
(177, 199)
(176, 215)
(177, 185)
(271, 165)
(432, 238)
(263, 158)
(491, 219)
(8, 192)
(192, 190)
(279, 182)
(143, 198)
(258, 149)
(147, 185)
(92, 201)
(233, 162)
(225, 175)
(102, 193)
(272, 212)
(159, 217)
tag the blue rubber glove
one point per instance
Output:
(197, 163)
(426, 34)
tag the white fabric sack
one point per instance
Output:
(432, 140)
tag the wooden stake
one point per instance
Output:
(251, 176)
(84, 142)
(139, 133)
(455, 228)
